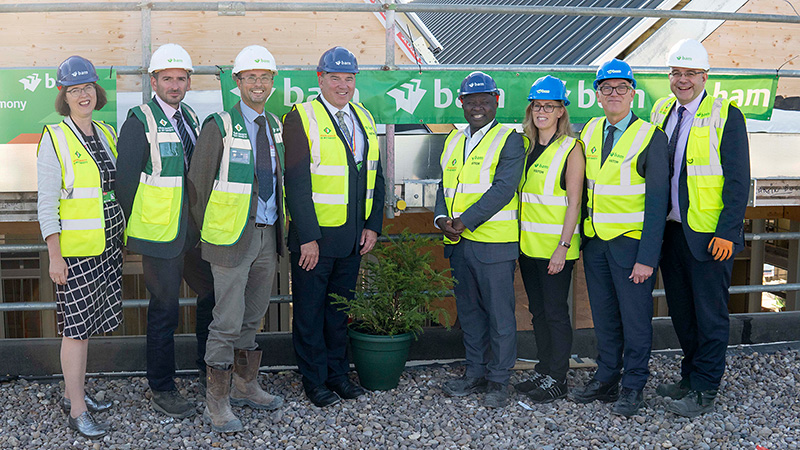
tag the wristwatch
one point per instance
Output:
(565, 244)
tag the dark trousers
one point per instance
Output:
(163, 280)
(319, 332)
(485, 303)
(622, 312)
(697, 296)
(548, 304)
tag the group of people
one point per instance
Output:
(215, 202)
(631, 194)
(208, 202)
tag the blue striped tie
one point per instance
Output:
(188, 146)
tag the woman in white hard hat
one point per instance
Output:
(550, 200)
(82, 225)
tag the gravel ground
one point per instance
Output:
(759, 405)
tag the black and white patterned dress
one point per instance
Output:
(90, 302)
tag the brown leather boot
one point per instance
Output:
(218, 407)
(246, 390)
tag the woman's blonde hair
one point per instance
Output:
(563, 128)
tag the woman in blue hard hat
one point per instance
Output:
(551, 190)
(83, 226)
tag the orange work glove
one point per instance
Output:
(721, 249)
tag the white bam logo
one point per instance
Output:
(31, 82)
(408, 102)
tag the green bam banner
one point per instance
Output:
(27, 99)
(432, 97)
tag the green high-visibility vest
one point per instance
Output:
(543, 203)
(464, 183)
(615, 190)
(329, 171)
(229, 203)
(80, 208)
(704, 176)
(157, 205)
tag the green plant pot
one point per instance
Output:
(379, 360)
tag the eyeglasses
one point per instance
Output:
(536, 107)
(621, 89)
(251, 79)
(89, 89)
(687, 74)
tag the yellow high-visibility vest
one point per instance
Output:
(464, 183)
(615, 190)
(704, 177)
(329, 171)
(543, 203)
(80, 208)
(156, 211)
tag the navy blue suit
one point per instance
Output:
(622, 311)
(484, 273)
(319, 333)
(164, 264)
(695, 284)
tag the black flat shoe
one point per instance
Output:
(347, 389)
(321, 396)
(86, 425)
(91, 404)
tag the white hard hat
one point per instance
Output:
(254, 57)
(688, 53)
(170, 56)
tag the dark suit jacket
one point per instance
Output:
(505, 183)
(134, 152)
(335, 242)
(734, 153)
(202, 173)
(653, 165)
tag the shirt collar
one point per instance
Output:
(333, 110)
(249, 113)
(623, 124)
(169, 111)
(485, 129)
(692, 106)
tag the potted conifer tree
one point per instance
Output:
(397, 294)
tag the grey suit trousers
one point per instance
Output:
(485, 301)
(242, 294)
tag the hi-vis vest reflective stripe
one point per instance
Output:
(464, 183)
(229, 204)
(703, 164)
(329, 171)
(616, 190)
(81, 205)
(543, 203)
(157, 206)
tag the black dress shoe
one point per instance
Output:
(86, 425)
(91, 404)
(321, 396)
(597, 390)
(347, 389)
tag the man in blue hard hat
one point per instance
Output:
(334, 195)
(627, 192)
(476, 209)
(709, 183)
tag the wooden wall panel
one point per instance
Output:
(114, 38)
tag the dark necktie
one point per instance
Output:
(673, 141)
(263, 160)
(186, 140)
(608, 144)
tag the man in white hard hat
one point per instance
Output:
(155, 147)
(709, 179)
(237, 174)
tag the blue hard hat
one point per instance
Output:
(338, 60)
(75, 70)
(614, 69)
(477, 83)
(548, 88)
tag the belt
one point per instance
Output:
(262, 225)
